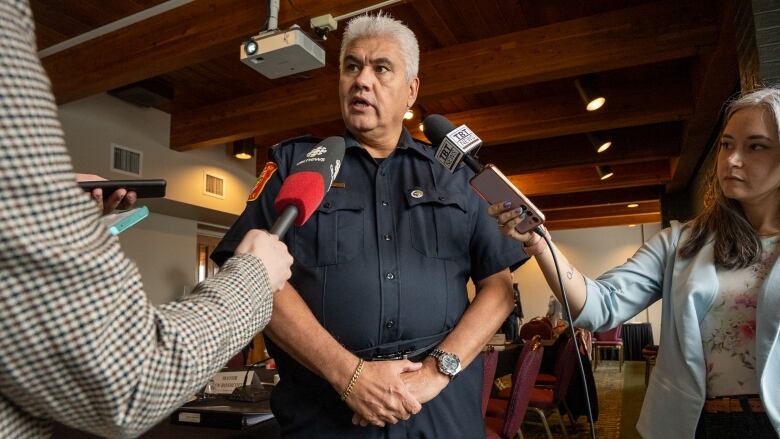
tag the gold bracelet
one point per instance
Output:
(353, 380)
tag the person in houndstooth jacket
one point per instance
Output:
(79, 341)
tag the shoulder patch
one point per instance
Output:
(300, 139)
(265, 175)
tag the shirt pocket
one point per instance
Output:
(333, 235)
(439, 222)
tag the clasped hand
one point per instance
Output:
(391, 391)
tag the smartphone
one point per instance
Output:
(142, 188)
(493, 186)
(119, 222)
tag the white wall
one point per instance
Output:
(163, 246)
(91, 125)
(165, 250)
(592, 251)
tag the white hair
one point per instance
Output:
(768, 98)
(383, 25)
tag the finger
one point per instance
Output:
(511, 214)
(129, 200)
(97, 195)
(113, 200)
(363, 423)
(412, 406)
(497, 208)
(409, 366)
(356, 419)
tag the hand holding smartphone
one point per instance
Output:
(493, 186)
(142, 188)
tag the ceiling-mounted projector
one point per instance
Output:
(280, 53)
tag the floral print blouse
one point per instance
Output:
(729, 328)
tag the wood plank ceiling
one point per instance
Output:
(506, 68)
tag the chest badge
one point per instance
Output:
(417, 193)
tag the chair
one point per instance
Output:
(540, 326)
(608, 340)
(509, 414)
(490, 363)
(649, 352)
(546, 379)
(545, 400)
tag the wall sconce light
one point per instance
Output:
(604, 172)
(244, 149)
(590, 93)
(599, 142)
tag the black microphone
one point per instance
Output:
(303, 190)
(454, 145)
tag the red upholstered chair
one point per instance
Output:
(546, 379)
(509, 414)
(608, 340)
(544, 400)
(649, 352)
(540, 326)
(490, 363)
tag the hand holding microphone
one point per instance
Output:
(271, 252)
(303, 190)
(516, 215)
(458, 145)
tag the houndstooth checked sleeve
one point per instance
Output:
(79, 341)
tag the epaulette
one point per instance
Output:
(306, 138)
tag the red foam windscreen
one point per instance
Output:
(304, 190)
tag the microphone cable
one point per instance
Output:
(538, 230)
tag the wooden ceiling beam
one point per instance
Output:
(646, 218)
(187, 35)
(602, 211)
(598, 198)
(638, 35)
(629, 145)
(642, 104)
(435, 24)
(583, 179)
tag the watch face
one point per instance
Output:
(448, 363)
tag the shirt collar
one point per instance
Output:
(406, 142)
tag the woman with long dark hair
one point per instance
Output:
(718, 368)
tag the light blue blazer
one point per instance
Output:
(677, 389)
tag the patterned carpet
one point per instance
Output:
(613, 416)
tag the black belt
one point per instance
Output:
(413, 350)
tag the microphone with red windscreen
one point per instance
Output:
(305, 187)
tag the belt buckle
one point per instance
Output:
(397, 355)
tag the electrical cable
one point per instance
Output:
(538, 230)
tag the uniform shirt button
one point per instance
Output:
(441, 198)
(388, 237)
(389, 276)
(389, 324)
(385, 203)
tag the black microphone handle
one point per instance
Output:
(472, 163)
(284, 221)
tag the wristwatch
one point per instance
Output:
(448, 363)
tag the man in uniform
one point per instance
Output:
(374, 336)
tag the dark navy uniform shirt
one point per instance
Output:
(383, 262)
